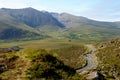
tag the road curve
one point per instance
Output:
(91, 60)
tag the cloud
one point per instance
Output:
(38, 7)
(107, 10)
(12, 4)
(21, 4)
(17, 3)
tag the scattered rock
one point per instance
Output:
(84, 72)
(95, 76)
(12, 49)
(92, 75)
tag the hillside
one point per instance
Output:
(35, 63)
(33, 17)
(13, 29)
(70, 20)
(43, 24)
(108, 54)
(86, 30)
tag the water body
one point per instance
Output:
(91, 60)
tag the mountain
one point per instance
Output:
(21, 23)
(70, 20)
(86, 30)
(118, 24)
(33, 17)
(29, 22)
(13, 29)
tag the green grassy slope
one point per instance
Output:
(108, 54)
(11, 28)
(63, 49)
(35, 63)
(86, 34)
(86, 30)
(61, 26)
(72, 55)
(33, 17)
(89, 33)
(7, 21)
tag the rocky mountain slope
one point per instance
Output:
(22, 22)
(70, 20)
(108, 54)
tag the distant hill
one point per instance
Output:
(84, 29)
(22, 22)
(70, 20)
(11, 28)
(33, 17)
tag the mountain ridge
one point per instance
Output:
(56, 25)
(33, 17)
(69, 19)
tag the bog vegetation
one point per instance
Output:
(36, 64)
(72, 56)
(109, 59)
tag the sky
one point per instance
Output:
(102, 10)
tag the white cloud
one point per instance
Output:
(38, 7)
(20, 4)
(12, 4)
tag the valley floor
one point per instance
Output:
(89, 60)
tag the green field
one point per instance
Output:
(46, 43)
(64, 49)
(69, 52)
(85, 34)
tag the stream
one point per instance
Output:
(91, 60)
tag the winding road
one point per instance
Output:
(91, 60)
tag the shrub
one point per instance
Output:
(46, 66)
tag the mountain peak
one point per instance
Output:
(33, 18)
(5, 8)
(29, 8)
